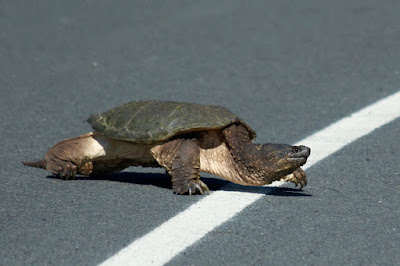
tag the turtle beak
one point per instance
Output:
(299, 154)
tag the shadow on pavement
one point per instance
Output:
(274, 191)
(214, 184)
(154, 179)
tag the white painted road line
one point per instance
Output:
(175, 235)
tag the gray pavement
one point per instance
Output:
(287, 68)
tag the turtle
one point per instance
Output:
(184, 138)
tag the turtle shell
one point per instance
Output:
(150, 122)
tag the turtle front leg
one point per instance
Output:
(297, 177)
(185, 170)
(181, 158)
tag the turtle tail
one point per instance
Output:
(37, 164)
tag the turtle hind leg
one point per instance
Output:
(71, 156)
(185, 170)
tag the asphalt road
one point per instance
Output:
(288, 68)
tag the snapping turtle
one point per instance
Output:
(184, 138)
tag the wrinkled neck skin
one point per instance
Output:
(257, 164)
(257, 168)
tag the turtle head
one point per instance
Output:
(282, 159)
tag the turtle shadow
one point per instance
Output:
(289, 192)
(214, 184)
(153, 179)
(273, 191)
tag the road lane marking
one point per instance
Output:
(175, 235)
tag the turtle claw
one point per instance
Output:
(202, 188)
(198, 186)
(67, 171)
(298, 177)
(191, 187)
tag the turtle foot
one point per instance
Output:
(191, 187)
(67, 171)
(297, 177)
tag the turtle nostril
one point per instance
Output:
(306, 150)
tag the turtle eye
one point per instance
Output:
(295, 149)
